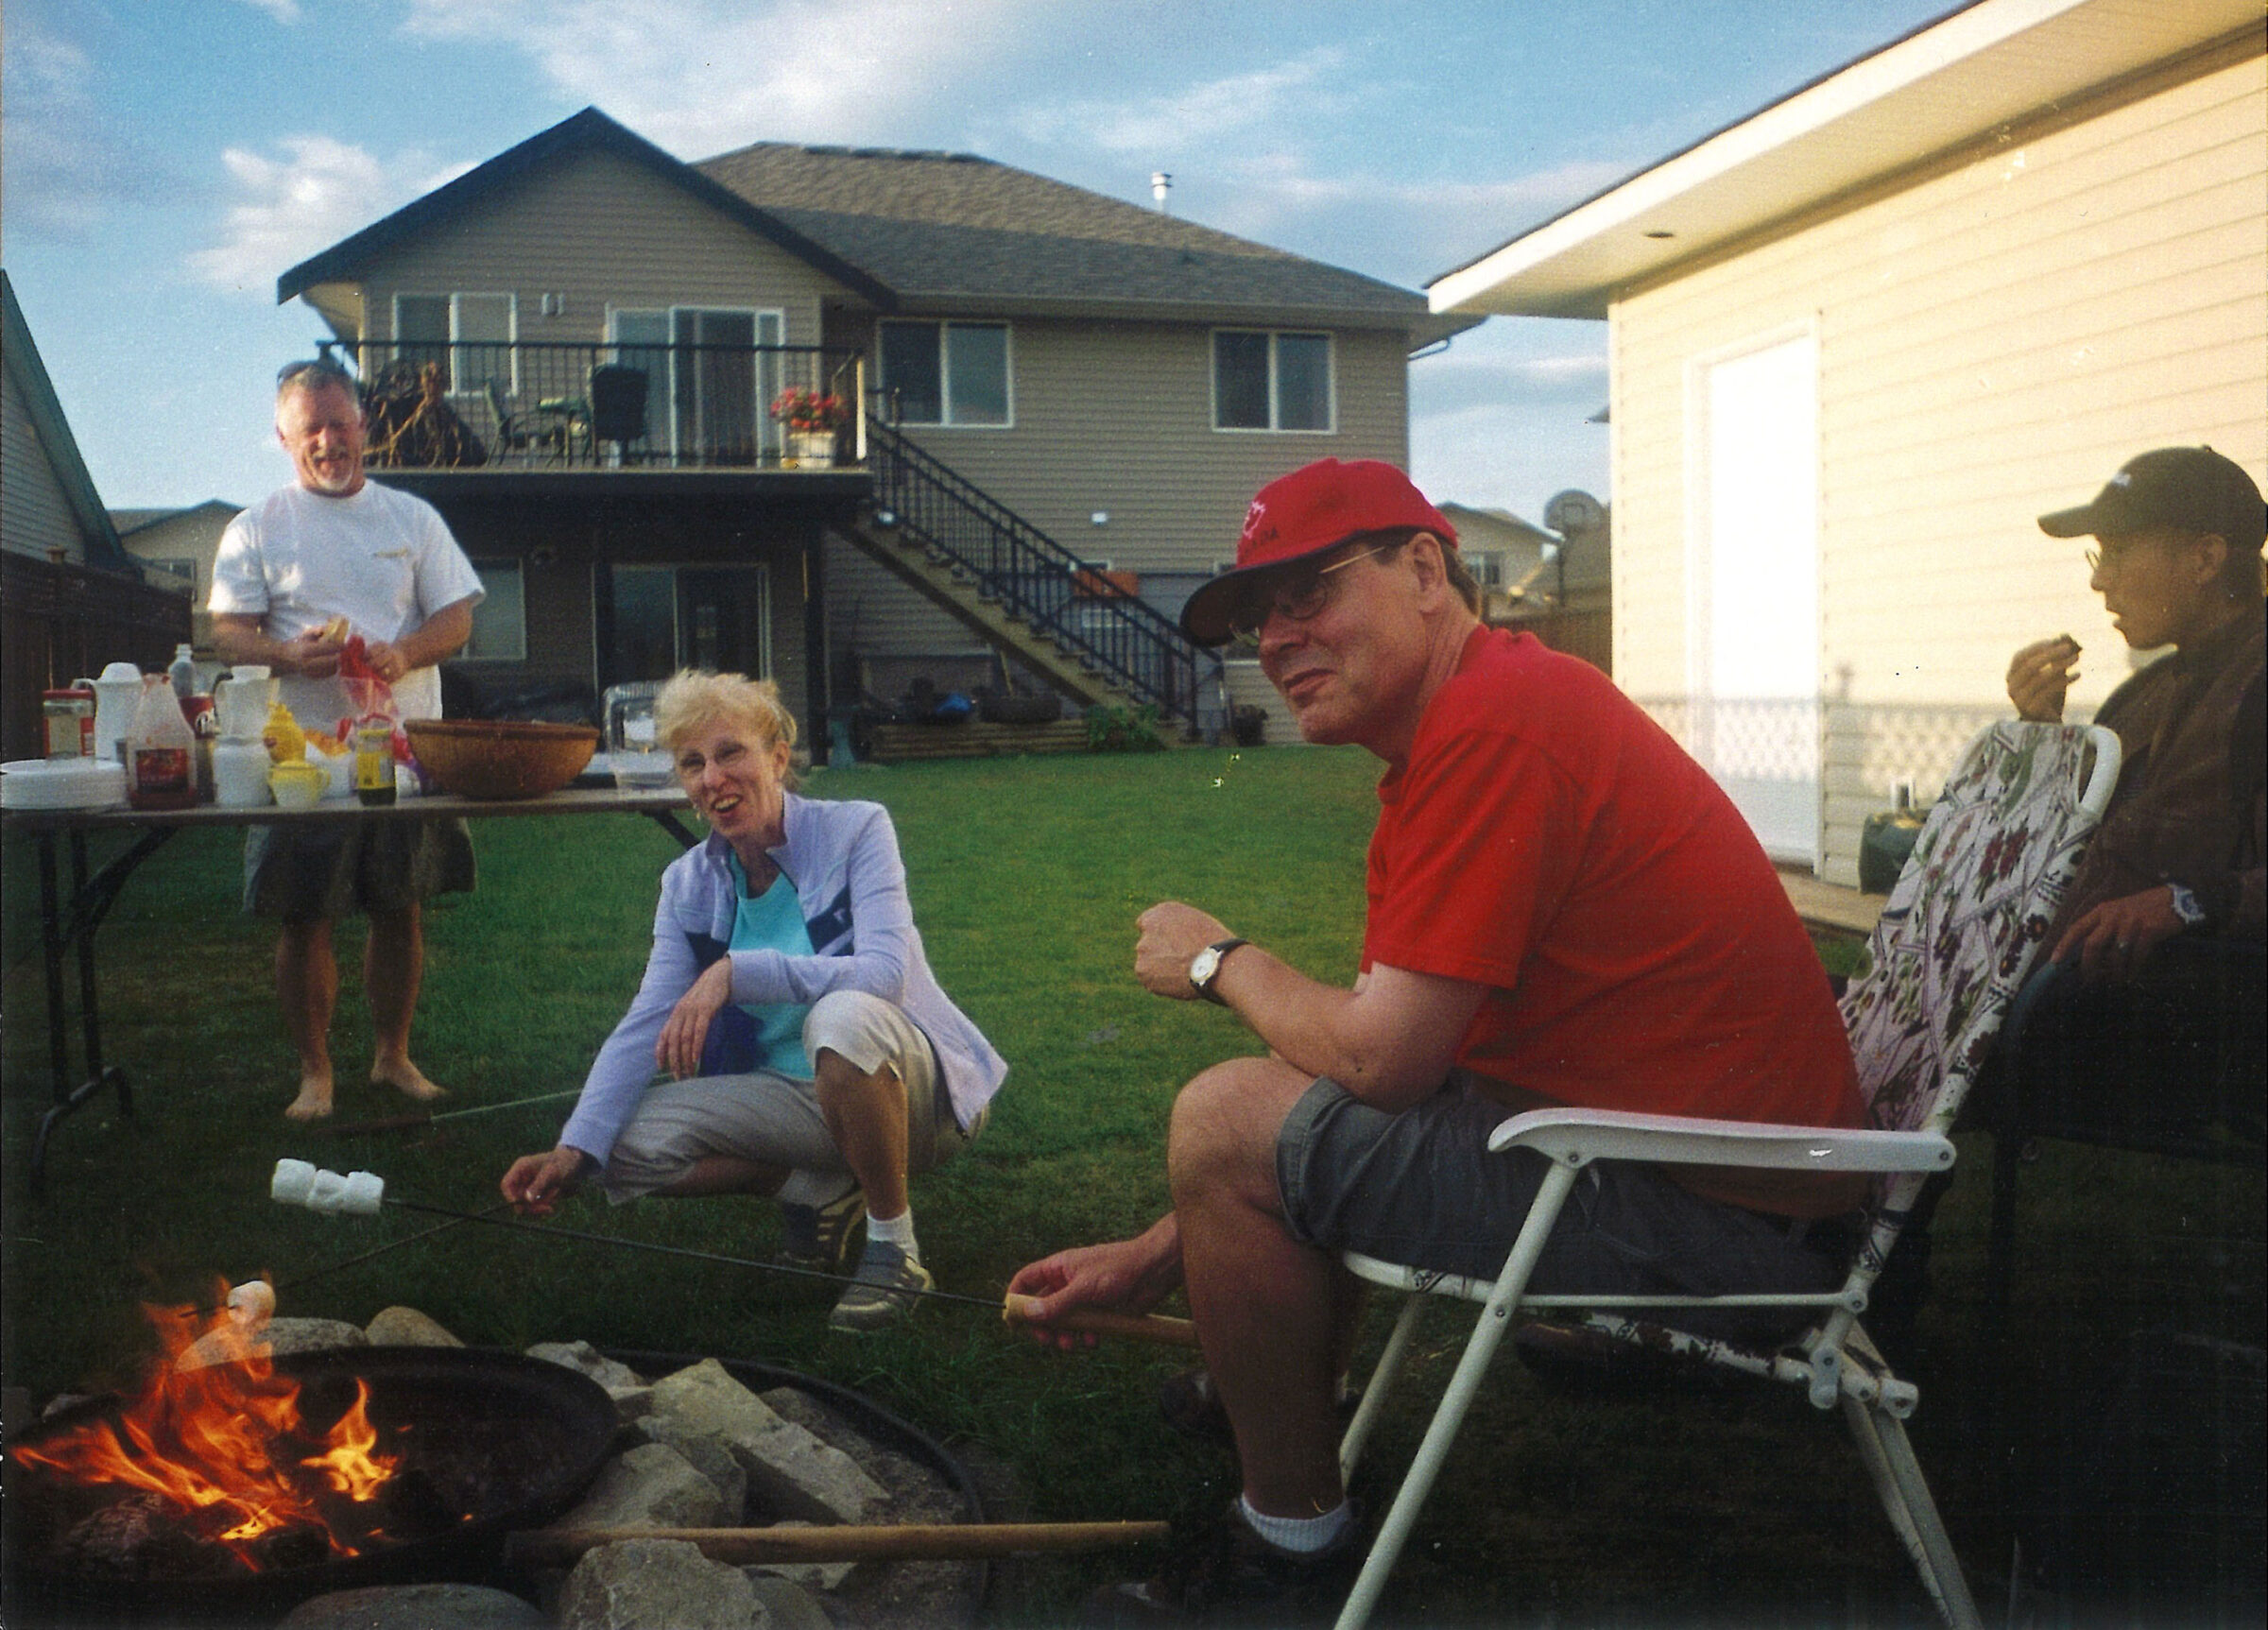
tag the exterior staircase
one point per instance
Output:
(1021, 590)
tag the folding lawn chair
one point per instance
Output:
(1954, 942)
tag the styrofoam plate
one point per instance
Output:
(62, 784)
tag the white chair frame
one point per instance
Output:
(1833, 1361)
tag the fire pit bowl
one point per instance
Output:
(497, 1443)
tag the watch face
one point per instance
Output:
(1203, 967)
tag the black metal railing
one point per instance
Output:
(1056, 595)
(465, 405)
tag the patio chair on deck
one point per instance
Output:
(617, 408)
(1948, 954)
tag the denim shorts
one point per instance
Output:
(1422, 1188)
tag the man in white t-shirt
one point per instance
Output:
(330, 551)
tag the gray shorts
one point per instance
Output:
(776, 1119)
(1421, 1188)
(331, 871)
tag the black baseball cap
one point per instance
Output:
(2192, 488)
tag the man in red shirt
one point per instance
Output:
(1564, 909)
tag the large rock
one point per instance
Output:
(408, 1328)
(288, 1336)
(582, 1356)
(709, 1454)
(790, 1471)
(790, 1605)
(416, 1607)
(657, 1585)
(651, 1486)
(278, 1338)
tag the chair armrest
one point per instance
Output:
(1577, 1137)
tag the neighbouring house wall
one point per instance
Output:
(35, 512)
(600, 231)
(1994, 340)
(192, 535)
(1117, 418)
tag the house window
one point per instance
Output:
(470, 336)
(182, 566)
(499, 620)
(1486, 566)
(1266, 380)
(947, 372)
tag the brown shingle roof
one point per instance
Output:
(954, 230)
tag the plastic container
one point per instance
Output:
(69, 719)
(374, 759)
(240, 768)
(297, 784)
(183, 672)
(160, 751)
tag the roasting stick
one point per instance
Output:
(921, 1541)
(362, 1194)
(429, 1117)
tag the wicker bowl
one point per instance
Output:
(500, 758)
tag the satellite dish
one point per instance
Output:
(1574, 511)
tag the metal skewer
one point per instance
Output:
(429, 1117)
(363, 1193)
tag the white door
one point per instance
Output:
(1755, 585)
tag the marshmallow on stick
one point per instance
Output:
(298, 1183)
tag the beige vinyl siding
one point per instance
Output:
(1994, 340)
(35, 512)
(602, 232)
(1117, 418)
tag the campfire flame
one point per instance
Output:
(225, 1443)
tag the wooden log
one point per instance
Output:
(904, 1542)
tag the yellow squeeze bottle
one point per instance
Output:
(286, 742)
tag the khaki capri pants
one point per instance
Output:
(776, 1119)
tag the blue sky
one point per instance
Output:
(164, 160)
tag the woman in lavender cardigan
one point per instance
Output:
(788, 1037)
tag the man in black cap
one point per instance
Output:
(2147, 1032)
(2178, 563)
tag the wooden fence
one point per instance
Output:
(60, 622)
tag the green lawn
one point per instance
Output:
(1027, 875)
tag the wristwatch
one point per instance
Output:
(2186, 907)
(1205, 966)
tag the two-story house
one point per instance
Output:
(1048, 407)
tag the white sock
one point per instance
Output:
(898, 1230)
(1305, 1536)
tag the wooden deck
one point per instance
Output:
(1829, 907)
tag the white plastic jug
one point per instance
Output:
(242, 700)
(116, 695)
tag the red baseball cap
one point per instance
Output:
(1315, 508)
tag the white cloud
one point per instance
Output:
(1164, 126)
(283, 12)
(320, 191)
(698, 76)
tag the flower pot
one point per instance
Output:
(812, 449)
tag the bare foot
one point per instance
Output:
(314, 1101)
(406, 1079)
